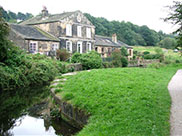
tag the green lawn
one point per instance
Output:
(151, 49)
(122, 101)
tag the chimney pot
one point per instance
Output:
(114, 38)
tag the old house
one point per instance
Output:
(33, 39)
(105, 45)
(75, 31)
(70, 30)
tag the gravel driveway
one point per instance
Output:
(175, 90)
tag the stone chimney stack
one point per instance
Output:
(114, 38)
(44, 12)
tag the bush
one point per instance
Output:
(76, 58)
(146, 52)
(89, 60)
(107, 64)
(124, 62)
(62, 55)
(116, 58)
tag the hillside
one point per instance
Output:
(12, 17)
(127, 32)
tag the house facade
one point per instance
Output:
(33, 39)
(72, 31)
(106, 45)
(75, 31)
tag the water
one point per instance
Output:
(21, 114)
(27, 125)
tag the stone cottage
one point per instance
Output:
(105, 46)
(70, 30)
(75, 31)
(33, 39)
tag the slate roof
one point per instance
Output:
(107, 41)
(50, 18)
(32, 33)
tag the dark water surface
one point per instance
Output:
(20, 114)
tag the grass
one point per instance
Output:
(151, 49)
(123, 101)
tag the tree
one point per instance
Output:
(4, 42)
(175, 17)
(168, 43)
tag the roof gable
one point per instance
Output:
(66, 16)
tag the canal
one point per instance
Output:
(22, 113)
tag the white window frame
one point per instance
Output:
(79, 43)
(55, 46)
(88, 32)
(68, 30)
(88, 46)
(70, 43)
(33, 43)
(79, 31)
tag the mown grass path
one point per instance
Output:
(175, 89)
(122, 101)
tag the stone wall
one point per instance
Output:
(74, 116)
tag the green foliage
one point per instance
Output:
(127, 32)
(146, 52)
(168, 43)
(123, 101)
(124, 52)
(89, 60)
(175, 17)
(119, 58)
(13, 17)
(62, 55)
(124, 61)
(4, 43)
(116, 58)
(76, 57)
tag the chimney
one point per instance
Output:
(44, 12)
(114, 38)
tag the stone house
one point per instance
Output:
(75, 31)
(105, 46)
(33, 39)
(72, 30)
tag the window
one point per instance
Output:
(88, 33)
(96, 49)
(69, 46)
(79, 31)
(79, 47)
(130, 52)
(33, 47)
(102, 49)
(88, 47)
(55, 47)
(68, 30)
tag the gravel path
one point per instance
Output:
(175, 90)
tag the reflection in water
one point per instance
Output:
(31, 126)
(18, 114)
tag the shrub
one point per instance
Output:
(89, 60)
(116, 58)
(107, 64)
(124, 62)
(146, 52)
(62, 55)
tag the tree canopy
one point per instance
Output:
(175, 17)
(12, 17)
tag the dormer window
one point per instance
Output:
(68, 30)
(88, 32)
(79, 31)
